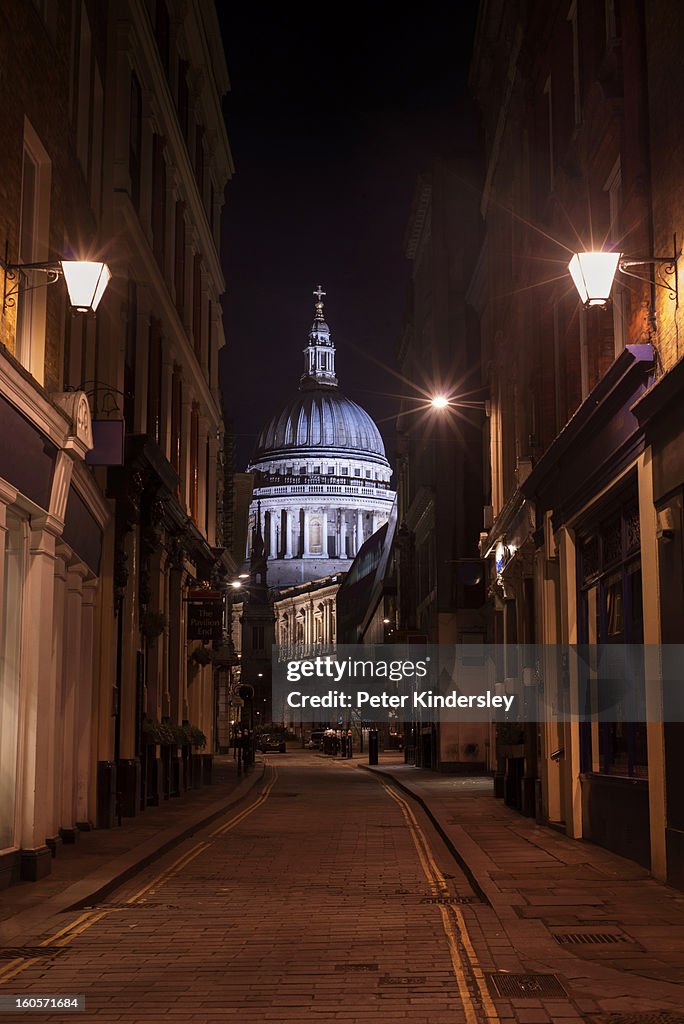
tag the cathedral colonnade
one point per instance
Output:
(309, 530)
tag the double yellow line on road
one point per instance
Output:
(463, 957)
(65, 935)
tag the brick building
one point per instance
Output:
(583, 461)
(114, 149)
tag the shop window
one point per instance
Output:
(33, 247)
(14, 556)
(611, 612)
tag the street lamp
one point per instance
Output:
(441, 402)
(86, 280)
(594, 273)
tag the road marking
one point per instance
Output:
(81, 924)
(454, 924)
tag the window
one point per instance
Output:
(344, 471)
(548, 92)
(154, 370)
(130, 356)
(176, 419)
(302, 470)
(576, 85)
(197, 305)
(207, 464)
(357, 472)
(193, 495)
(613, 187)
(158, 199)
(183, 100)
(331, 469)
(162, 33)
(179, 258)
(14, 556)
(34, 229)
(258, 638)
(368, 473)
(84, 91)
(135, 139)
(199, 159)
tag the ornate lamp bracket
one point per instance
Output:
(664, 270)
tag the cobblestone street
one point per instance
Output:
(326, 894)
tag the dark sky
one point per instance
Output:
(333, 112)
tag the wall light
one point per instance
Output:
(86, 281)
(594, 273)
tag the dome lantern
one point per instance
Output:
(319, 355)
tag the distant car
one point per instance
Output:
(271, 743)
(315, 741)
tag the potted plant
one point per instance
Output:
(157, 732)
(202, 655)
(153, 624)
(509, 739)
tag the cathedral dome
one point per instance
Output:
(320, 418)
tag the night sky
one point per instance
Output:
(329, 127)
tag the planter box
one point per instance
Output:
(196, 760)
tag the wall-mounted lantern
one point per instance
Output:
(86, 280)
(594, 273)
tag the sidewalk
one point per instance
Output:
(104, 858)
(564, 905)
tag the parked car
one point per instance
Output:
(315, 741)
(271, 743)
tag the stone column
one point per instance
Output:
(343, 533)
(288, 532)
(324, 533)
(60, 577)
(305, 545)
(85, 763)
(38, 700)
(359, 530)
(272, 535)
(376, 520)
(71, 696)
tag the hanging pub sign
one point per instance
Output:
(205, 615)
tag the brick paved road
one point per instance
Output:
(324, 897)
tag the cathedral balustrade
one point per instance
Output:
(324, 480)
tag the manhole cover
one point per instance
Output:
(525, 986)
(450, 899)
(355, 968)
(655, 1017)
(29, 952)
(591, 938)
(407, 981)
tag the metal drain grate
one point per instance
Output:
(29, 952)
(524, 986)
(463, 900)
(356, 968)
(655, 1017)
(591, 938)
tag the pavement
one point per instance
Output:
(564, 905)
(318, 891)
(102, 859)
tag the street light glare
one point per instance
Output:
(235, 584)
(440, 402)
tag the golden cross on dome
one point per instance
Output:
(320, 293)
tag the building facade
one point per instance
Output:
(115, 150)
(321, 476)
(440, 575)
(583, 513)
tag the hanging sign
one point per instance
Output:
(205, 616)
